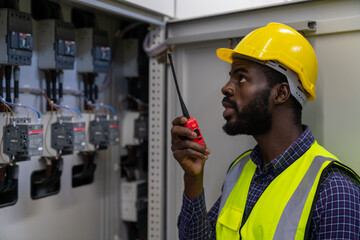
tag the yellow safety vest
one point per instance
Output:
(283, 210)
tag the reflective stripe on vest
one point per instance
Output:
(290, 218)
(232, 177)
(283, 209)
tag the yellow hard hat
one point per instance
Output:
(281, 43)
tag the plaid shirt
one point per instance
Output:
(337, 209)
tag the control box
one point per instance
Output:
(16, 38)
(56, 44)
(104, 132)
(94, 52)
(131, 193)
(68, 135)
(23, 139)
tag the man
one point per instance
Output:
(288, 186)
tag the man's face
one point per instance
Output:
(246, 100)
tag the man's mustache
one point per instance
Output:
(233, 104)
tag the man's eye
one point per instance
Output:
(242, 79)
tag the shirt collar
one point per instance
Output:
(284, 160)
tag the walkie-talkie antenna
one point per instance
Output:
(183, 107)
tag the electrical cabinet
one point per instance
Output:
(66, 184)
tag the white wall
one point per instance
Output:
(198, 8)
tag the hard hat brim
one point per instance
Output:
(225, 54)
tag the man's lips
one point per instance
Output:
(227, 104)
(229, 109)
(228, 112)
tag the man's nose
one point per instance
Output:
(227, 89)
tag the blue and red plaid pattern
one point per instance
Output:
(337, 210)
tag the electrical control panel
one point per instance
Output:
(16, 39)
(104, 132)
(23, 139)
(56, 44)
(68, 135)
(94, 53)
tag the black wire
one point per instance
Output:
(1, 81)
(16, 83)
(86, 94)
(8, 82)
(91, 86)
(60, 88)
(53, 82)
(96, 92)
(48, 81)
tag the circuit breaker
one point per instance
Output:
(68, 135)
(104, 132)
(16, 39)
(23, 139)
(56, 44)
(94, 53)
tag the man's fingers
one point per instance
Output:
(186, 154)
(178, 131)
(179, 121)
(188, 144)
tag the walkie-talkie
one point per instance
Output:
(191, 122)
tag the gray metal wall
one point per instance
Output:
(333, 116)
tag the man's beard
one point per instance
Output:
(254, 119)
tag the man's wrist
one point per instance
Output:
(193, 185)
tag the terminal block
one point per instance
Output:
(23, 139)
(67, 135)
(16, 39)
(94, 53)
(56, 44)
(104, 132)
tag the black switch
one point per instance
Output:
(197, 132)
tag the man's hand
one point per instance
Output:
(190, 155)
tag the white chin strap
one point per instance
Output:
(296, 88)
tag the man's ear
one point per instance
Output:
(281, 93)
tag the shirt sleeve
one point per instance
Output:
(337, 210)
(194, 222)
